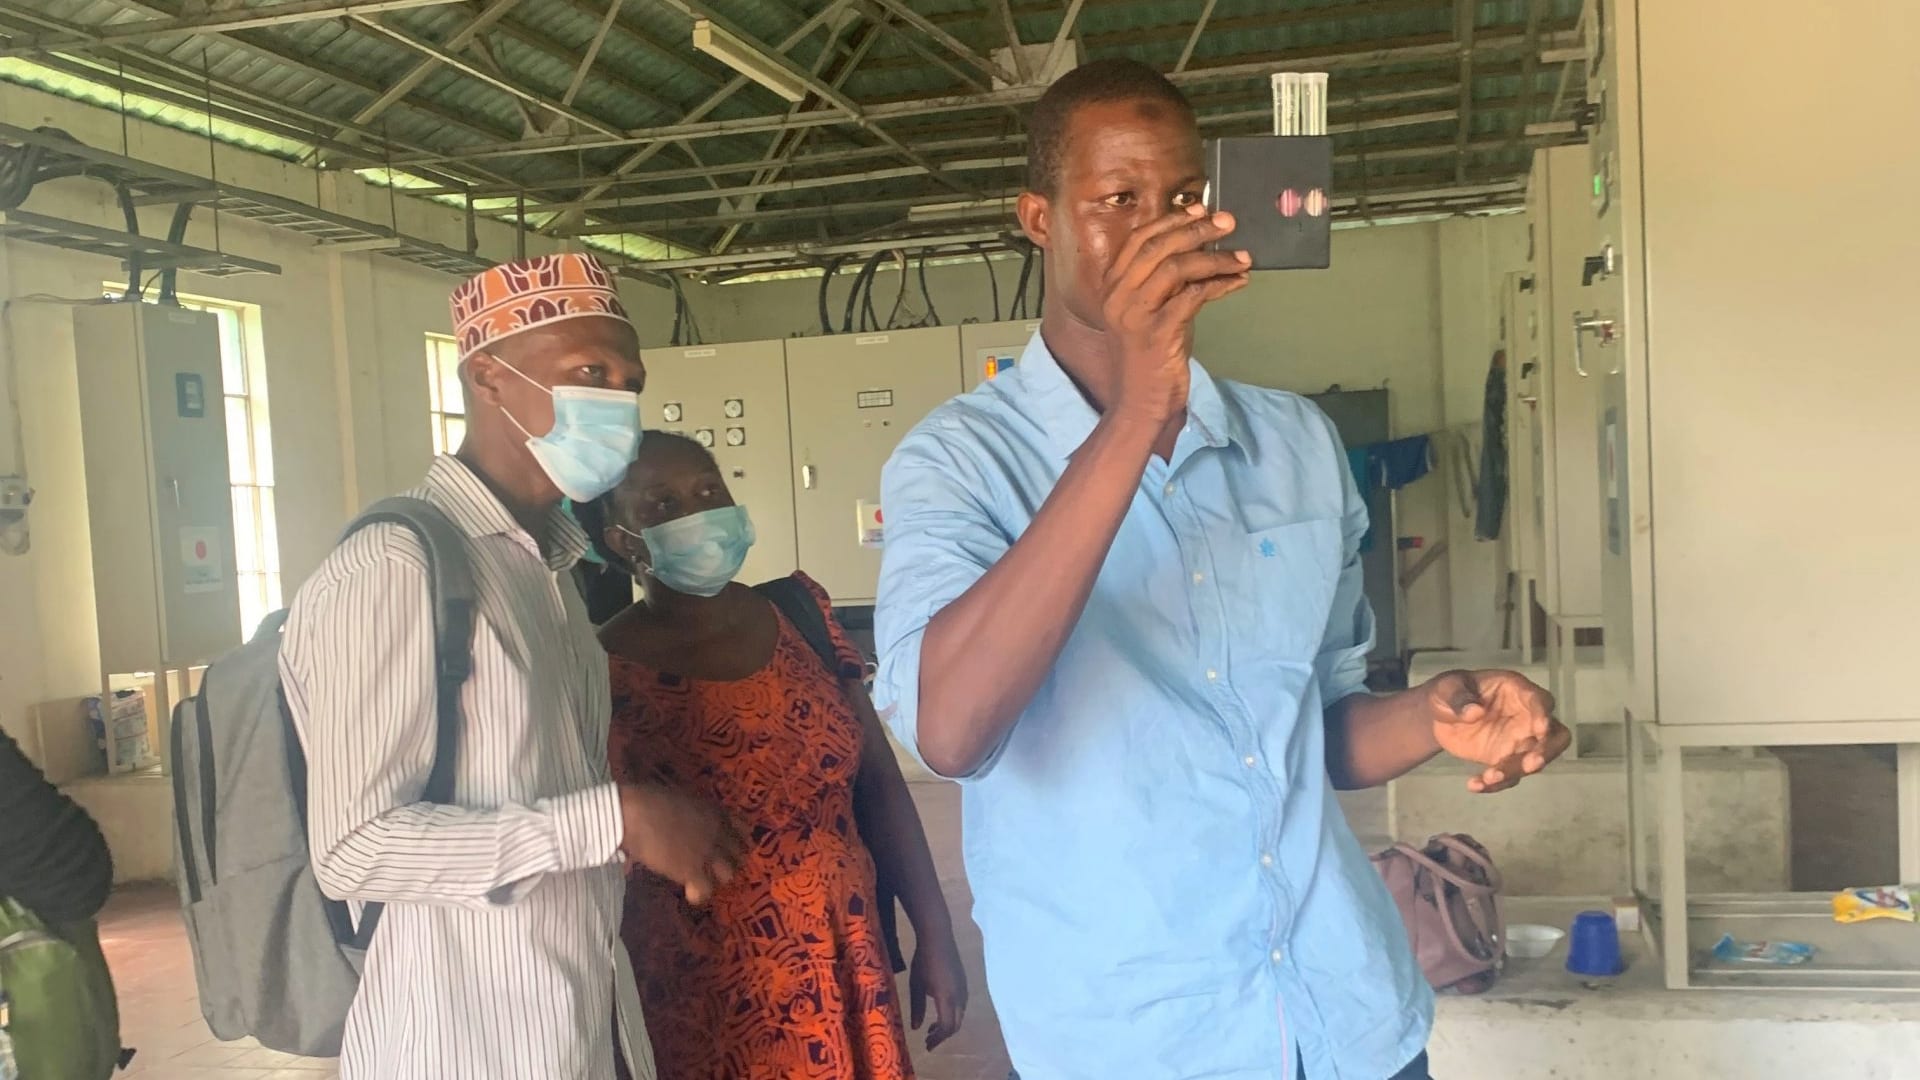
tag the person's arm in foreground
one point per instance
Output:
(358, 665)
(53, 859)
(898, 841)
(1017, 617)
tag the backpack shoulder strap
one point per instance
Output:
(450, 588)
(796, 603)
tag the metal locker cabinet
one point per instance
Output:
(1522, 524)
(734, 398)
(1756, 577)
(987, 349)
(852, 397)
(159, 498)
(1565, 233)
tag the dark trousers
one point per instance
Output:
(1417, 1070)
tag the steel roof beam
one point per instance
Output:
(1466, 16)
(207, 22)
(592, 53)
(425, 66)
(1193, 39)
(877, 12)
(686, 58)
(778, 157)
(1061, 35)
(952, 44)
(853, 112)
(1348, 59)
(797, 251)
(1370, 92)
(1469, 196)
(1253, 116)
(1530, 67)
(1005, 161)
(194, 97)
(1006, 196)
(714, 100)
(478, 72)
(655, 176)
(1010, 32)
(195, 82)
(1180, 31)
(605, 74)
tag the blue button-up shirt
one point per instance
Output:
(1164, 879)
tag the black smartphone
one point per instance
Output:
(1278, 189)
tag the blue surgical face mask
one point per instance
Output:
(596, 433)
(698, 554)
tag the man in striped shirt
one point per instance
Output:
(498, 955)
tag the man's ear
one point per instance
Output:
(1036, 217)
(484, 378)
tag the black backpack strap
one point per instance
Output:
(796, 602)
(451, 589)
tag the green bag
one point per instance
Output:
(57, 1005)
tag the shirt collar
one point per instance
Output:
(1058, 406)
(478, 512)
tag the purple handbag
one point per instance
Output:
(1449, 897)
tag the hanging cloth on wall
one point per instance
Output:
(1491, 496)
(1402, 461)
(1392, 465)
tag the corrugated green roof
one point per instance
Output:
(289, 88)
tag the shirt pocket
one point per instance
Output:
(1288, 575)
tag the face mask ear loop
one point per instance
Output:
(638, 566)
(511, 419)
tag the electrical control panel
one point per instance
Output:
(732, 399)
(989, 350)
(853, 396)
(159, 500)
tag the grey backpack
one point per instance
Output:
(274, 957)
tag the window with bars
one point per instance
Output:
(256, 536)
(447, 407)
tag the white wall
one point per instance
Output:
(1409, 307)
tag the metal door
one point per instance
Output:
(852, 397)
(193, 495)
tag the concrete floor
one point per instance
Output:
(160, 1009)
(1538, 1022)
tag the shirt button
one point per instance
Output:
(1247, 761)
(1169, 488)
(1212, 675)
(1266, 859)
(1276, 956)
(1198, 577)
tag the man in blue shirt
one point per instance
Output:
(1122, 601)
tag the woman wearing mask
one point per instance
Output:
(786, 974)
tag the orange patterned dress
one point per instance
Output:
(785, 974)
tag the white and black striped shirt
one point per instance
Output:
(499, 954)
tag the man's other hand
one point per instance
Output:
(1499, 719)
(680, 838)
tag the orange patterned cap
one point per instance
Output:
(520, 295)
